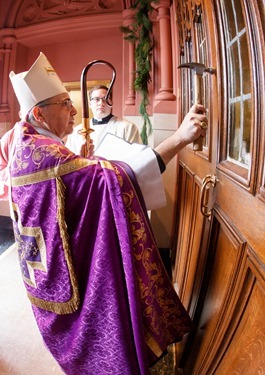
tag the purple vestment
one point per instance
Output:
(100, 294)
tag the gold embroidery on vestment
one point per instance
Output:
(159, 308)
(153, 344)
(72, 304)
(106, 164)
(26, 248)
(53, 172)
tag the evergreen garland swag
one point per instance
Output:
(141, 33)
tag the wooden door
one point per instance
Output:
(219, 258)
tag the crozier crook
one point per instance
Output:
(86, 130)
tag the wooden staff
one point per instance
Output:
(86, 130)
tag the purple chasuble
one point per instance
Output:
(100, 294)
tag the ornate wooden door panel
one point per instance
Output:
(190, 228)
(230, 335)
(219, 261)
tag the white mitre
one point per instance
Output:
(40, 82)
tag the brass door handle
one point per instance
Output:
(209, 179)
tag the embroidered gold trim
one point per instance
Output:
(75, 300)
(59, 308)
(35, 232)
(153, 345)
(138, 223)
(71, 305)
(53, 172)
(106, 164)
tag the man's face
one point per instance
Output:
(98, 104)
(59, 115)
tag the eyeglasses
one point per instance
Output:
(67, 102)
(97, 100)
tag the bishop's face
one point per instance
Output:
(58, 115)
(98, 104)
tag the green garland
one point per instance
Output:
(141, 34)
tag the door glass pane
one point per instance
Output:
(245, 149)
(239, 19)
(239, 84)
(245, 64)
(234, 133)
(234, 72)
(230, 21)
(184, 27)
(201, 52)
